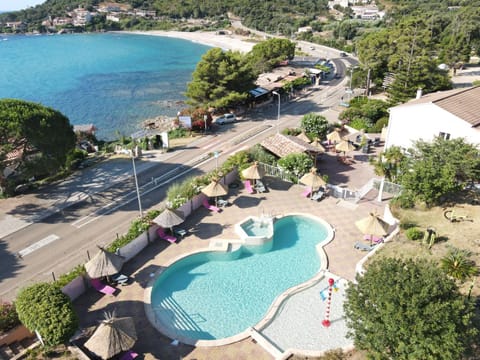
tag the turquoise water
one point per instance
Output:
(208, 296)
(114, 81)
(255, 228)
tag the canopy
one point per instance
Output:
(253, 172)
(373, 225)
(104, 263)
(344, 146)
(318, 145)
(334, 136)
(112, 336)
(312, 179)
(214, 189)
(168, 218)
(302, 136)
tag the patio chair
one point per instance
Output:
(306, 192)
(119, 279)
(103, 288)
(180, 232)
(319, 195)
(162, 235)
(222, 202)
(373, 239)
(129, 355)
(260, 187)
(207, 205)
(364, 247)
(248, 186)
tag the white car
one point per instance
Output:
(226, 119)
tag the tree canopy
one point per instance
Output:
(370, 115)
(407, 309)
(314, 125)
(42, 137)
(267, 54)
(45, 308)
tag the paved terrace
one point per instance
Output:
(282, 198)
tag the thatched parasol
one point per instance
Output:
(344, 146)
(215, 189)
(253, 172)
(168, 218)
(334, 136)
(373, 225)
(315, 143)
(104, 263)
(312, 179)
(302, 136)
(112, 336)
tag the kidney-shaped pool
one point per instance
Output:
(214, 295)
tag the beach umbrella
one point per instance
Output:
(215, 189)
(344, 146)
(168, 218)
(112, 336)
(312, 180)
(334, 136)
(104, 263)
(253, 172)
(316, 144)
(372, 225)
(302, 136)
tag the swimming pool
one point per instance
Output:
(215, 295)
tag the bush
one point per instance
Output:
(8, 317)
(66, 278)
(44, 308)
(414, 233)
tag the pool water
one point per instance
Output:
(212, 295)
(256, 228)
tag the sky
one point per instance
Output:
(12, 5)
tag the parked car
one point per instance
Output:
(226, 119)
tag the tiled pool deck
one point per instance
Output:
(281, 199)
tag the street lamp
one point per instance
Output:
(136, 180)
(278, 112)
(351, 79)
(205, 117)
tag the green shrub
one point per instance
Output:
(66, 278)
(8, 317)
(414, 233)
(44, 308)
(404, 200)
(178, 133)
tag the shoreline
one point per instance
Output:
(208, 38)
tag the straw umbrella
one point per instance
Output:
(320, 149)
(344, 146)
(334, 136)
(302, 136)
(372, 225)
(112, 336)
(104, 263)
(168, 218)
(215, 189)
(253, 172)
(312, 179)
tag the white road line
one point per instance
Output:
(41, 243)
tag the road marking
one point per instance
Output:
(41, 243)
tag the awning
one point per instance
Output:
(259, 91)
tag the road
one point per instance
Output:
(56, 243)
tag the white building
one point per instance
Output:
(450, 114)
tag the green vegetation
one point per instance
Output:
(296, 164)
(8, 317)
(457, 264)
(44, 308)
(407, 309)
(43, 138)
(414, 233)
(267, 54)
(370, 115)
(68, 277)
(315, 126)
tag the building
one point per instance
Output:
(449, 114)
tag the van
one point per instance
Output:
(226, 119)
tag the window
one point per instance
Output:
(445, 136)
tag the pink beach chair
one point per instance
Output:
(307, 192)
(248, 186)
(207, 205)
(162, 235)
(103, 288)
(373, 239)
(129, 355)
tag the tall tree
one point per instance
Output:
(265, 55)
(315, 125)
(407, 309)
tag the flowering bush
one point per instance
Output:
(8, 317)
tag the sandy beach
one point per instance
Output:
(209, 38)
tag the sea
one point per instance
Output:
(112, 80)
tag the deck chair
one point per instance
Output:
(319, 195)
(222, 202)
(119, 279)
(373, 239)
(307, 192)
(103, 288)
(162, 235)
(210, 207)
(248, 186)
(129, 355)
(363, 247)
(260, 187)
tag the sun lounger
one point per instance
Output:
(103, 288)
(306, 192)
(364, 247)
(260, 187)
(373, 239)
(129, 355)
(207, 205)
(248, 187)
(222, 203)
(119, 279)
(179, 232)
(162, 235)
(318, 195)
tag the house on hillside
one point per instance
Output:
(449, 114)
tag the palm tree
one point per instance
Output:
(458, 265)
(388, 164)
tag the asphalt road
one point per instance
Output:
(56, 243)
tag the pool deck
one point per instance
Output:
(281, 199)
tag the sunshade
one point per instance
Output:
(112, 336)
(373, 225)
(214, 189)
(104, 263)
(318, 145)
(334, 136)
(168, 218)
(344, 146)
(312, 179)
(302, 136)
(253, 172)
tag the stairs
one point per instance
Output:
(15, 350)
